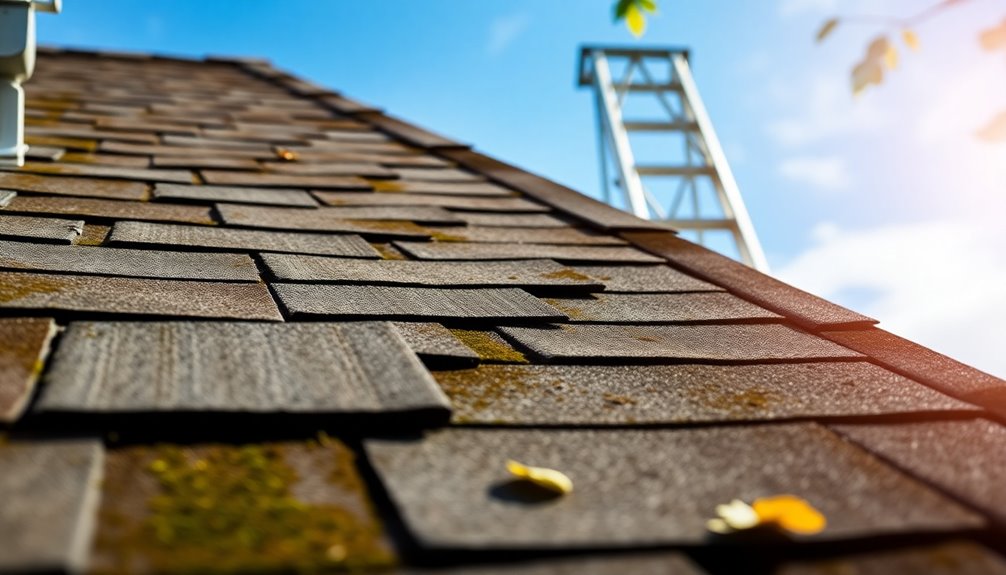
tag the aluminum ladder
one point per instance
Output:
(689, 185)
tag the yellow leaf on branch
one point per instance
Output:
(910, 38)
(826, 29)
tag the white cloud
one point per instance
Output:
(939, 283)
(824, 172)
(504, 30)
(823, 110)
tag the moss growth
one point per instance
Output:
(391, 226)
(615, 399)
(234, 509)
(28, 285)
(93, 235)
(472, 393)
(747, 401)
(566, 274)
(442, 237)
(388, 252)
(489, 346)
(57, 142)
(562, 305)
(387, 186)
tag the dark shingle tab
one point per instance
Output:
(408, 303)
(937, 370)
(445, 188)
(368, 170)
(708, 307)
(50, 493)
(198, 162)
(316, 220)
(465, 203)
(420, 214)
(147, 234)
(439, 175)
(109, 209)
(752, 285)
(953, 558)
(645, 279)
(513, 220)
(739, 343)
(94, 171)
(272, 180)
(528, 274)
(362, 367)
(85, 187)
(436, 345)
(570, 254)
(132, 296)
(658, 394)
(634, 488)
(964, 458)
(24, 343)
(126, 262)
(40, 229)
(212, 194)
(548, 236)
(658, 563)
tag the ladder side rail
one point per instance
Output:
(750, 244)
(632, 185)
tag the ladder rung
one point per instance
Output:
(688, 171)
(664, 87)
(661, 126)
(702, 224)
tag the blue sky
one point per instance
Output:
(886, 203)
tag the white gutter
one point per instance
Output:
(17, 62)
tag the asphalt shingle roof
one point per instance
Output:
(250, 324)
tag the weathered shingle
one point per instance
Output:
(214, 194)
(315, 220)
(645, 279)
(126, 262)
(569, 254)
(529, 274)
(547, 395)
(507, 305)
(110, 210)
(635, 488)
(238, 367)
(964, 458)
(63, 186)
(49, 491)
(752, 285)
(273, 507)
(132, 296)
(747, 343)
(24, 343)
(436, 345)
(719, 307)
(52, 230)
(465, 203)
(147, 234)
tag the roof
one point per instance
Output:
(250, 324)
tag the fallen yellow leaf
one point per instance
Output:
(550, 479)
(791, 513)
